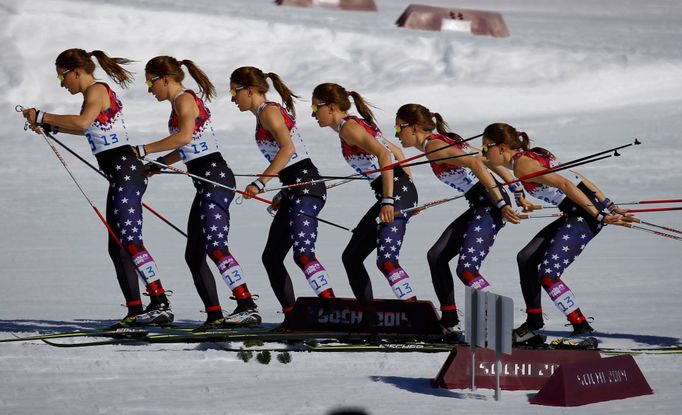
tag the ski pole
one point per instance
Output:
(560, 167)
(643, 229)
(638, 202)
(402, 162)
(333, 185)
(19, 108)
(658, 226)
(430, 204)
(194, 176)
(645, 202)
(309, 182)
(654, 209)
(92, 205)
(439, 159)
(238, 191)
(321, 177)
(542, 215)
(346, 179)
(573, 163)
(146, 206)
(637, 220)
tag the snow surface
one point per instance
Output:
(578, 76)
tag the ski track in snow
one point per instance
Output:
(578, 77)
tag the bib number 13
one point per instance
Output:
(107, 140)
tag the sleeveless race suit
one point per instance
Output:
(386, 238)
(295, 223)
(470, 236)
(543, 260)
(208, 225)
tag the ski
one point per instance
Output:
(256, 334)
(134, 331)
(79, 333)
(328, 344)
(311, 340)
(562, 343)
(354, 348)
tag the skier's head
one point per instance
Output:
(337, 99)
(247, 81)
(501, 133)
(411, 119)
(502, 138)
(167, 69)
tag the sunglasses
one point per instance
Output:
(152, 80)
(234, 91)
(486, 148)
(399, 127)
(316, 107)
(61, 76)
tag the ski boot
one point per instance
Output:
(582, 329)
(158, 312)
(211, 325)
(449, 321)
(528, 334)
(246, 314)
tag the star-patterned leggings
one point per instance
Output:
(208, 228)
(386, 238)
(544, 259)
(470, 236)
(295, 226)
(131, 259)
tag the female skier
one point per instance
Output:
(543, 260)
(192, 140)
(368, 153)
(101, 122)
(295, 223)
(473, 233)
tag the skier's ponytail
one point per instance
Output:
(205, 85)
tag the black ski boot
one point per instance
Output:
(449, 321)
(158, 312)
(246, 314)
(582, 329)
(528, 334)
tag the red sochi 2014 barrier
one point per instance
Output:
(583, 383)
(524, 369)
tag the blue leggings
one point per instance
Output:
(127, 185)
(386, 238)
(470, 236)
(208, 229)
(295, 226)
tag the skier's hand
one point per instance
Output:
(140, 151)
(276, 202)
(30, 114)
(510, 215)
(620, 220)
(526, 206)
(387, 213)
(250, 191)
(150, 169)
